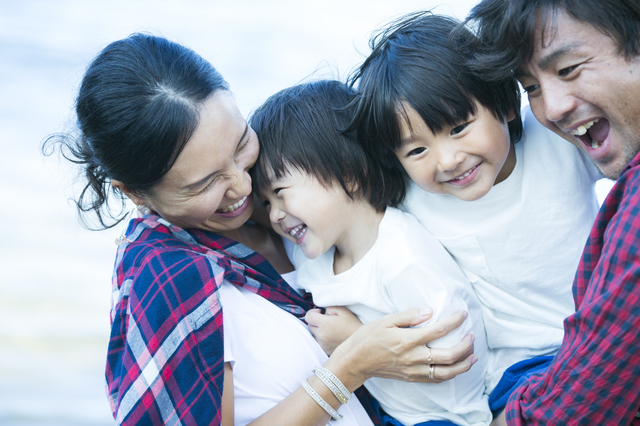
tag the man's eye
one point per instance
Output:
(416, 151)
(459, 128)
(566, 71)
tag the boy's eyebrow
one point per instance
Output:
(407, 140)
(210, 176)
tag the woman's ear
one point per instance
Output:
(126, 191)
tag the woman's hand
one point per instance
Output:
(333, 327)
(388, 348)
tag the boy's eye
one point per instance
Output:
(277, 190)
(416, 151)
(458, 129)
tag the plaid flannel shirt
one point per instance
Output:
(165, 362)
(595, 377)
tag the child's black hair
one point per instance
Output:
(423, 60)
(302, 127)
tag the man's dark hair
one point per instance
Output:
(506, 28)
(421, 59)
(301, 127)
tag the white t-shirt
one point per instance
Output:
(520, 244)
(408, 268)
(271, 352)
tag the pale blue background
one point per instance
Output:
(55, 277)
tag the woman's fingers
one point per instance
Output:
(454, 354)
(441, 373)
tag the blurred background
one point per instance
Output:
(55, 276)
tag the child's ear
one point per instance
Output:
(511, 116)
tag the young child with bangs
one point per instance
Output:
(512, 207)
(353, 248)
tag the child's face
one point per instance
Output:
(465, 160)
(305, 212)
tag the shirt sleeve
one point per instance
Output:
(165, 360)
(417, 284)
(595, 377)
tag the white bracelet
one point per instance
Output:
(343, 389)
(321, 402)
(340, 395)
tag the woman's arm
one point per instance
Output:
(383, 348)
(338, 323)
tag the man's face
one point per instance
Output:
(583, 89)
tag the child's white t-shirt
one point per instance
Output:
(271, 352)
(520, 244)
(408, 268)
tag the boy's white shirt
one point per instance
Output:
(408, 268)
(520, 244)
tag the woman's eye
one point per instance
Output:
(416, 151)
(532, 88)
(458, 129)
(210, 184)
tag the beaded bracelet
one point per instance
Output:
(343, 389)
(335, 385)
(321, 402)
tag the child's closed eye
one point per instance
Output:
(459, 129)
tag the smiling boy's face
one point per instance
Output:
(581, 87)
(464, 161)
(306, 212)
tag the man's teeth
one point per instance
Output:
(595, 144)
(234, 207)
(581, 130)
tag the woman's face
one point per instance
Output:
(209, 187)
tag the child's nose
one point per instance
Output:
(449, 160)
(275, 214)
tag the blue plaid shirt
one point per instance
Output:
(165, 363)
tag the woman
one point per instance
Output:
(159, 126)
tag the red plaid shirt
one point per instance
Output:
(165, 361)
(595, 377)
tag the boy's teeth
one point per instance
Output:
(234, 207)
(295, 230)
(465, 175)
(581, 130)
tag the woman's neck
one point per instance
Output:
(361, 234)
(265, 241)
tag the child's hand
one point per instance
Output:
(333, 327)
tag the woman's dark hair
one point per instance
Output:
(301, 127)
(421, 59)
(507, 28)
(136, 108)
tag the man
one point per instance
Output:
(579, 62)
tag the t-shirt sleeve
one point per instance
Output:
(438, 284)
